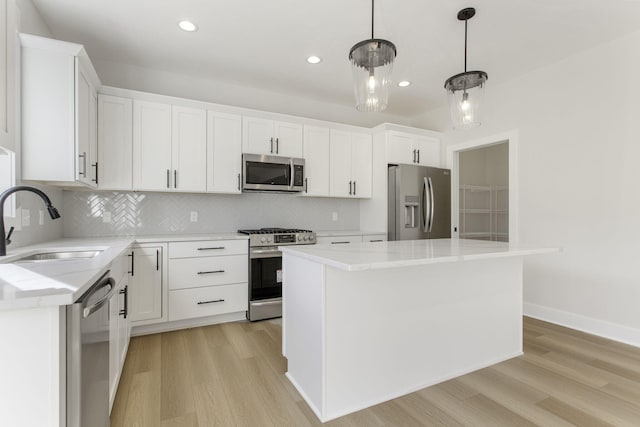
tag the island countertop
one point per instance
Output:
(402, 253)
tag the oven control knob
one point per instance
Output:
(299, 238)
(269, 239)
(263, 239)
(306, 238)
(311, 238)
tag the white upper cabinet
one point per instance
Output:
(315, 149)
(59, 113)
(151, 146)
(262, 136)
(224, 152)
(350, 166)
(189, 148)
(169, 147)
(407, 148)
(115, 143)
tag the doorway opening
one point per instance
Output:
(484, 188)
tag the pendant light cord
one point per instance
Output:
(465, 44)
(372, 18)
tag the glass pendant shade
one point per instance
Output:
(372, 64)
(465, 93)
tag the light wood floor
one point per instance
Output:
(233, 375)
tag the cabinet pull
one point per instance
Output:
(95, 165)
(210, 249)
(277, 145)
(125, 310)
(157, 259)
(339, 243)
(377, 240)
(238, 182)
(350, 191)
(354, 188)
(175, 178)
(414, 156)
(210, 302)
(272, 145)
(168, 178)
(211, 272)
(306, 185)
(418, 156)
(83, 156)
(132, 271)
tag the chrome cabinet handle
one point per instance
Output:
(350, 191)
(238, 182)
(211, 272)
(272, 145)
(210, 302)
(95, 165)
(168, 178)
(175, 178)
(210, 249)
(83, 156)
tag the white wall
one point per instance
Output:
(579, 151)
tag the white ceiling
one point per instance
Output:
(264, 43)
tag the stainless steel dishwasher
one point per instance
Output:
(88, 356)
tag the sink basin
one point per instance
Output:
(57, 256)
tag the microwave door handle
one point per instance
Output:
(291, 174)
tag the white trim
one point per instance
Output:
(161, 326)
(511, 137)
(601, 328)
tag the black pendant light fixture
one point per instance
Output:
(466, 89)
(372, 64)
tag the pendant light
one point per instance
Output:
(465, 89)
(372, 63)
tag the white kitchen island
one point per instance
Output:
(365, 323)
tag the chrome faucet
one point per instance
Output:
(53, 212)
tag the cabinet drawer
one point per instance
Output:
(374, 238)
(208, 271)
(208, 248)
(208, 301)
(338, 240)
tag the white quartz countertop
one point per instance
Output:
(61, 282)
(337, 233)
(403, 253)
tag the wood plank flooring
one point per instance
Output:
(233, 375)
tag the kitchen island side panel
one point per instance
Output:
(392, 331)
(303, 327)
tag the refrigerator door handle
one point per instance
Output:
(432, 203)
(426, 206)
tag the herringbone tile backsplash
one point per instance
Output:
(160, 213)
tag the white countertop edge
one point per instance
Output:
(339, 233)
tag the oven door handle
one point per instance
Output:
(265, 253)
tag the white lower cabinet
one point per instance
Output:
(146, 284)
(119, 325)
(207, 278)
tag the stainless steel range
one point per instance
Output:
(265, 268)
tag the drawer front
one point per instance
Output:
(208, 271)
(209, 301)
(208, 248)
(374, 238)
(339, 240)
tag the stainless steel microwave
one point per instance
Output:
(272, 173)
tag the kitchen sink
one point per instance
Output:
(57, 256)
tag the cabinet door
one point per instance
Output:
(189, 149)
(115, 143)
(83, 131)
(361, 159)
(428, 150)
(258, 136)
(114, 338)
(340, 181)
(400, 148)
(224, 152)
(151, 146)
(93, 137)
(145, 284)
(316, 160)
(288, 139)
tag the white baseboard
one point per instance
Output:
(601, 328)
(187, 323)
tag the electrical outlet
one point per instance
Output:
(334, 216)
(41, 217)
(106, 216)
(26, 217)
(194, 216)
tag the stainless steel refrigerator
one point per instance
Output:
(419, 202)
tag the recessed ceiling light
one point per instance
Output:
(187, 26)
(314, 59)
(404, 83)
